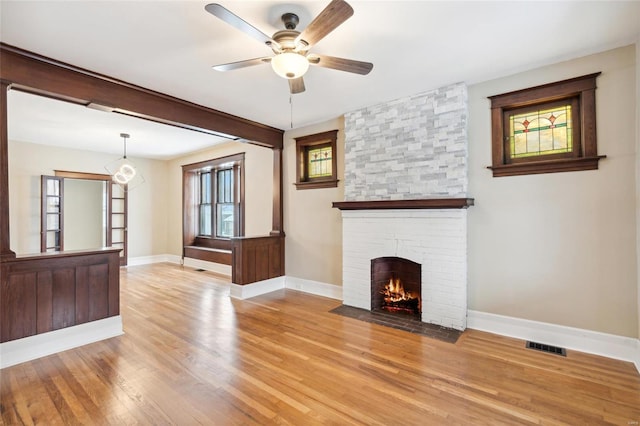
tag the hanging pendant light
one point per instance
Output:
(123, 172)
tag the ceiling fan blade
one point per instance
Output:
(235, 21)
(328, 20)
(341, 64)
(296, 85)
(242, 64)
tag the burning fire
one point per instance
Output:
(396, 297)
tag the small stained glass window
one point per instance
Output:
(545, 129)
(316, 165)
(541, 132)
(320, 162)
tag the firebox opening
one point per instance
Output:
(396, 286)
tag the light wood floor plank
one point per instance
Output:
(192, 355)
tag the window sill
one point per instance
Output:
(333, 183)
(548, 166)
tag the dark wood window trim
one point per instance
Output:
(306, 143)
(580, 92)
(209, 247)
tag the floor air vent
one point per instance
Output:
(547, 348)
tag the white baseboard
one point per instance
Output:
(218, 268)
(593, 342)
(314, 287)
(256, 289)
(307, 286)
(32, 347)
(158, 258)
(188, 262)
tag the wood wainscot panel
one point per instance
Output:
(18, 310)
(49, 291)
(257, 258)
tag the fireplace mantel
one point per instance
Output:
(424, 203)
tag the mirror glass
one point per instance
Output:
(85, 214)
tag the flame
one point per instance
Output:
(394, 292)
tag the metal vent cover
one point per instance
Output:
(556, 350)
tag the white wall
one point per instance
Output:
(258, 190)
(313, 244)
(560, 247)
(147, 203)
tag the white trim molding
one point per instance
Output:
(157, 258)
(267, 286)
(32, 347)
(314, 287)
(218, 268)
(593, 342)
(256, 289)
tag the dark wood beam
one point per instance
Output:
(38, 74)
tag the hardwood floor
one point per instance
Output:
(191, 355)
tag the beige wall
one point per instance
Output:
(560, 247)
(147, 203)
(312, 226)
(258, 190)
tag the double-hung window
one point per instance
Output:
(216, 207)
(204, 204)
(214, 201)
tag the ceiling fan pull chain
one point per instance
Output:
(291, 108)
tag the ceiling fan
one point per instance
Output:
(291, 47)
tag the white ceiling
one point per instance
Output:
(170, 46)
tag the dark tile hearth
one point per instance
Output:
(400, 322)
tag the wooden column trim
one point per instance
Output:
(277, 215)
(5, 243)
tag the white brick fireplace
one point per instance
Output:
(437, 239)
(400, 157)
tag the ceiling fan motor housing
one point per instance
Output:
(290, 21)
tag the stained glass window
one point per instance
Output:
(320, 162)
(545, 129)
(541, 132)
(316, 165)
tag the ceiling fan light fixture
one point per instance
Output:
(290, 65)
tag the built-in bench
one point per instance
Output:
(208, 254)
(251, 259)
